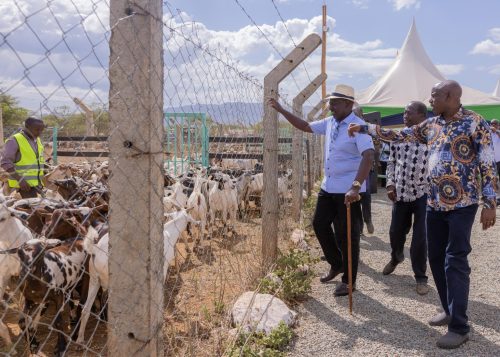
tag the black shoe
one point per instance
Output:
(330, 275)
(370, 228)
(343, 289)
(390, 267)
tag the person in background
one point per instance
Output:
(407, 185)
(461, 171)
(23, 160)
(347, 164)
(366, 197)
(495, 134)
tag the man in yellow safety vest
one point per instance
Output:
(23, 159)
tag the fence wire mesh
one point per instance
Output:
(188, 175)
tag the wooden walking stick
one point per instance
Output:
(349, 255)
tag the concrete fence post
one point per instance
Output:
(270, 213)
(298, 146)
(136, 184)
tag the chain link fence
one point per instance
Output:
(148, 225)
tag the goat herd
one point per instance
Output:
(54, 248)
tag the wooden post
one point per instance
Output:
(297, 146)
(309, 178)
(314, 139)
(89, 117)
(270, 212)
(324, 30)
(136, 185)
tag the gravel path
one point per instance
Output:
(390, 318)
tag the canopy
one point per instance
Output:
(411, 77)
(496, 92)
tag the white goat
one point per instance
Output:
(223, 198)
(12, 235)
(174, 198)
(98, 266)
(198, 208)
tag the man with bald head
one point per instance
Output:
(461, 172)
(23, 159)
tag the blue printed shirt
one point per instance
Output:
(461, 159)
(342, 153)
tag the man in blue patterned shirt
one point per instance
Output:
(461, 168)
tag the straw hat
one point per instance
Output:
(342, 91)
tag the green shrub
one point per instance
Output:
(260, 344)
(295, 283)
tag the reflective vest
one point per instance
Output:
(30, 165)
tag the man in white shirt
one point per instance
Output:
(347, 164)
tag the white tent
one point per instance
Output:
(496, 92)
(411, 77)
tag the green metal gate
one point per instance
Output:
(186, 141)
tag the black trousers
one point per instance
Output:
(402, 213)
(330, 208)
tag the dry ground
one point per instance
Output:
(390, 318)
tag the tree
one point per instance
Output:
(13, 114)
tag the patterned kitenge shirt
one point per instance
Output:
(407, 170)
(461, 158)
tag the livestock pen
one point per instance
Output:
(143, 236)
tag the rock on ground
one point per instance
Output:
(263, 312)
(389, 317)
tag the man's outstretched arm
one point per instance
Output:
(297, 122)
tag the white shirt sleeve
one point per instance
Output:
(319, 126)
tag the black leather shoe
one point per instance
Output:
(330, 275)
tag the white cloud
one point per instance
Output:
(450, 69)
(495, 69)
(401, 4)
(362, 4)
(495, 33)
(487, 47)
(490, 46)
(201, 65)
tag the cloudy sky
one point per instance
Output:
(220, 50)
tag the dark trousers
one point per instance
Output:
(366, 207)
(330, 208)
(383, 171)
(448, 238)
(402, 213)
(32, 193)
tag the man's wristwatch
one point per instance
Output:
(356, 184)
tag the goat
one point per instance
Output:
(13, 234)
(242, 184)
(98, 266)
(174, 198)
(50, 272)
(197, 205)
(223, 198)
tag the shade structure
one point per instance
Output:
(411, 77)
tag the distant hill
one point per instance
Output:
(228, 113)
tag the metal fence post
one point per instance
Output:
(136, 183)
(298, 146)
(54, 145)
(270, 212)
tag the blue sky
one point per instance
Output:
(53, 50)
(449, 29)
